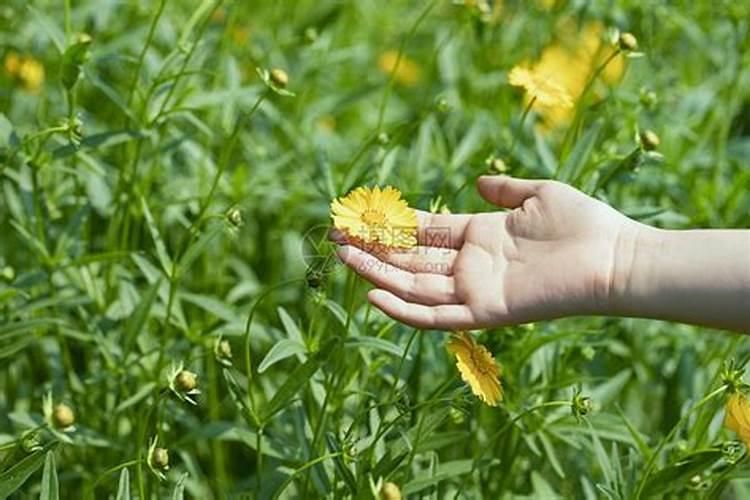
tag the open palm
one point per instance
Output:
(552, 255)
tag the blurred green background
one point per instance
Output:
(155, 191)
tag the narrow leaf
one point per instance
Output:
(281, 350)
(50, 486)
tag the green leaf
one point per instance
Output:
(161, 248)
(123, 489)
(542, 489)
(196, 249)
(296, 380)
(340, 315)
(50, 486)
(239, 397)
(98, 142)
(139, 317)
(443, 471)
(676, 475)
(601, 455)
(344, 471)
(637, 437)
(376, 344)
(178, 493)
(142, 393)
(549, 450)
(281, 350)
(20, 327)
(292, 330)
(578, 158)
(13, 478)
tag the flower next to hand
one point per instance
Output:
(477, 367)
(376, 218)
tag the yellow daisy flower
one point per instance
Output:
(737, 417)
(376, 216)
(540, 87)
(26, 70)
(407, 72)
(573, 59)
(477, 367)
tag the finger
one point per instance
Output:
(505, 191)
(422, 288)
(421, 259)
(337, 236)
(441, 230)
(443, 317)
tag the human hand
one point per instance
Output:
(553, 254)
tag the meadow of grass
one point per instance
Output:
(164, 208)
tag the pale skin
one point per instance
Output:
(556, 252)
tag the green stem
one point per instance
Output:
(570, 133)
(309, 464)
(259, 458)
(226, 155)
(525, 113)
(112, 470)
(142, 55)
(248, 362)
(392, 77)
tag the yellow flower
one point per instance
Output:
(540, 86)
(573, 60)
(737, 417)
(477, 367)
(407, 72)
(26, 70)
(376, 216)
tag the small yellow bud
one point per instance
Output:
(235, 217)
(627, 42)
(390, 491)
(186, 381)
(649, 140)
(160, 458)
(63, 416)
(224, 349)
(497, 166)
(279, 78)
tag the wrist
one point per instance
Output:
(634, 264)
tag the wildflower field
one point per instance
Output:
(174, 320)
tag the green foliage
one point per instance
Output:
(157, 185)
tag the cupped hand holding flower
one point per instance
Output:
(556, 252)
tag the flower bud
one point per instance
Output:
(234, 215)
(496, 165)
(627, 42)
(7, 273)
(311, 35)
(383, 139)
(648, 98)
(186, 381)
(649, 140)
(224, 350)
(160, 458)
(279, 78)
(390, 491)
(580, 405)
(63, 416)
(315, 277)
(442, 105)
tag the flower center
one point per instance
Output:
(373, 217)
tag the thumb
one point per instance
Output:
(505, 191)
